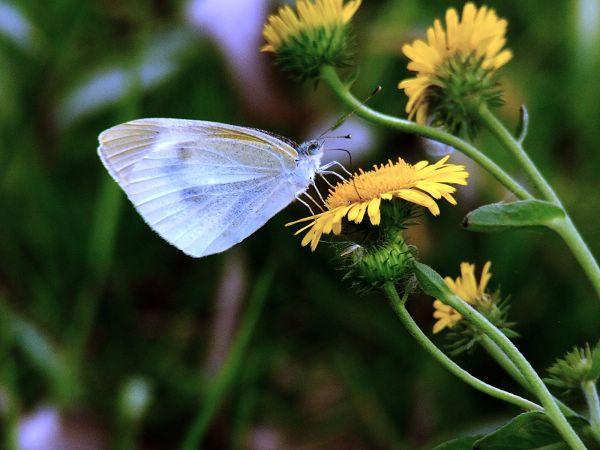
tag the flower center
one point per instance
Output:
(372, 184)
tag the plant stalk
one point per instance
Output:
(538, 387)
(591, 397)
(500, 357)
(565, 228)
(398, 305)
(330, 76)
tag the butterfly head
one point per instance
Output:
(311, 148)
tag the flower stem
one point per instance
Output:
(538, 387)
(591, 397)
(565, 228)
(330, 76)
(414, 330)
(514, 147)
(504, 361)
(500, 357)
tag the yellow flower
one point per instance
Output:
(421, 184)
(468, 289)
(447, 316)
(311, 15)
(314, 35)
(455, 64)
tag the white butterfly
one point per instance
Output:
(205, 186)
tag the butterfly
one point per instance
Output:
(205, 186)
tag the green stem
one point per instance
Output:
(514, 147)
(591, 397)
(330, 76)
(500, 357)
(426, 276)
(414, 330)
(565, 228)
(223, 380)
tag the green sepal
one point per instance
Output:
(594, 373)
(531, 430)
(506, 216)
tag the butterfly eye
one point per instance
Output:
(313, 148)
(309, 148)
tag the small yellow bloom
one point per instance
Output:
(468, 289)
(421, 184)
(312, 15)
(457, 62)
(314, 35)
(447, 316)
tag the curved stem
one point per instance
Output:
(591, 398)
(538, 387)
(514, 147)
(500, 357)
(330, 76)
(568, 232)
(414, 330)
(565, 228)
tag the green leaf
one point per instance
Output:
(529, 431)
(430, 281)
(463, 443)
(506, 216)
(595, 370)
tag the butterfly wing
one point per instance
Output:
(202, 186)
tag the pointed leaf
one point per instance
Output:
(595, 370)
(463, 443)
(506, 216)
(430, 281)
(529, 431)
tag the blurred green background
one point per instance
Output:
(111, 338)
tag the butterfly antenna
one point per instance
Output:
(345, 116)
(349, 158)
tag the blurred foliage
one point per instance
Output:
(92, 299)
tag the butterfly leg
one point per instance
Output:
(326, 181)
(305, 204)
(331, 172)
(314, 201)
(318, 193)
(335, 163)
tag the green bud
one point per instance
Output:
(462, 87)
(573, 370)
